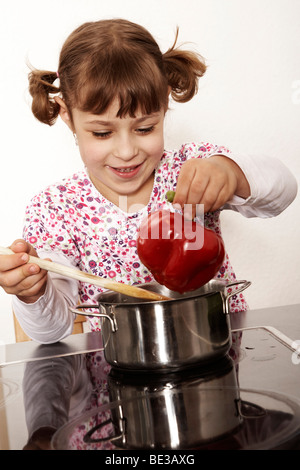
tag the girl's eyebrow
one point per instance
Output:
(108, 123)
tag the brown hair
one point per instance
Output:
(106, 59)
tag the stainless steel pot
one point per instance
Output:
(168, 335)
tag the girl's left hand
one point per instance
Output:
(212, 182)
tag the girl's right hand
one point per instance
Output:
(18, 277)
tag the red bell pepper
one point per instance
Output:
(183, 255)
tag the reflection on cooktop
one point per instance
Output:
(263, 421)
(272, 422)
(229, 404)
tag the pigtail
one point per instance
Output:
(183, 69)
(41, 88)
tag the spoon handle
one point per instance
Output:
(74, 273)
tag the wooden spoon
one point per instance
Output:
(74, 273)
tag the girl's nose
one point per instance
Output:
(125, 147)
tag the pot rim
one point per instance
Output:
(214, 286)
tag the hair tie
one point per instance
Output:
(57, 74)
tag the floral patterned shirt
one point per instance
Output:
(98, 237)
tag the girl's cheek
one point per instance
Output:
(90, 154)
(157, 144)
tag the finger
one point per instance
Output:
(28, 286)
(21, 249)
(12, 277)
(32, 285)
(20, 245)
(185, 178)
(210, 197)
(22, 252)
(195, 201)
(214, 190)
(194, 191)
(8, 262)
(213, 200)
(187, 190)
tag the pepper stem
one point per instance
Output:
(170, 196)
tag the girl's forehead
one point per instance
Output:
(111, 115)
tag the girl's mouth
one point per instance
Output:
(126, 172)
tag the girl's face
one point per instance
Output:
(120, 153)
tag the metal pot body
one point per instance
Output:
(160, 336)
(141, 335)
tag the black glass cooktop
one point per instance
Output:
(249, 399)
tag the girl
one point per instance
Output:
(112, 91)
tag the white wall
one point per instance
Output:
(249, 100)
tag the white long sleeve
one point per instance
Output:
(273, 187)
(49, 319)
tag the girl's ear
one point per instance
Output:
(64, 112)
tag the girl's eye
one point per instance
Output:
(101, 135)
(106, 134)
(145, 130)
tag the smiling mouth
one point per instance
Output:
(128, 169)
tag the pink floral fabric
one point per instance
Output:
(73, 218)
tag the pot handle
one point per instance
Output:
(248, 410)
(282, 338)
(244, 286)
(77, 311)
(88, 437)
